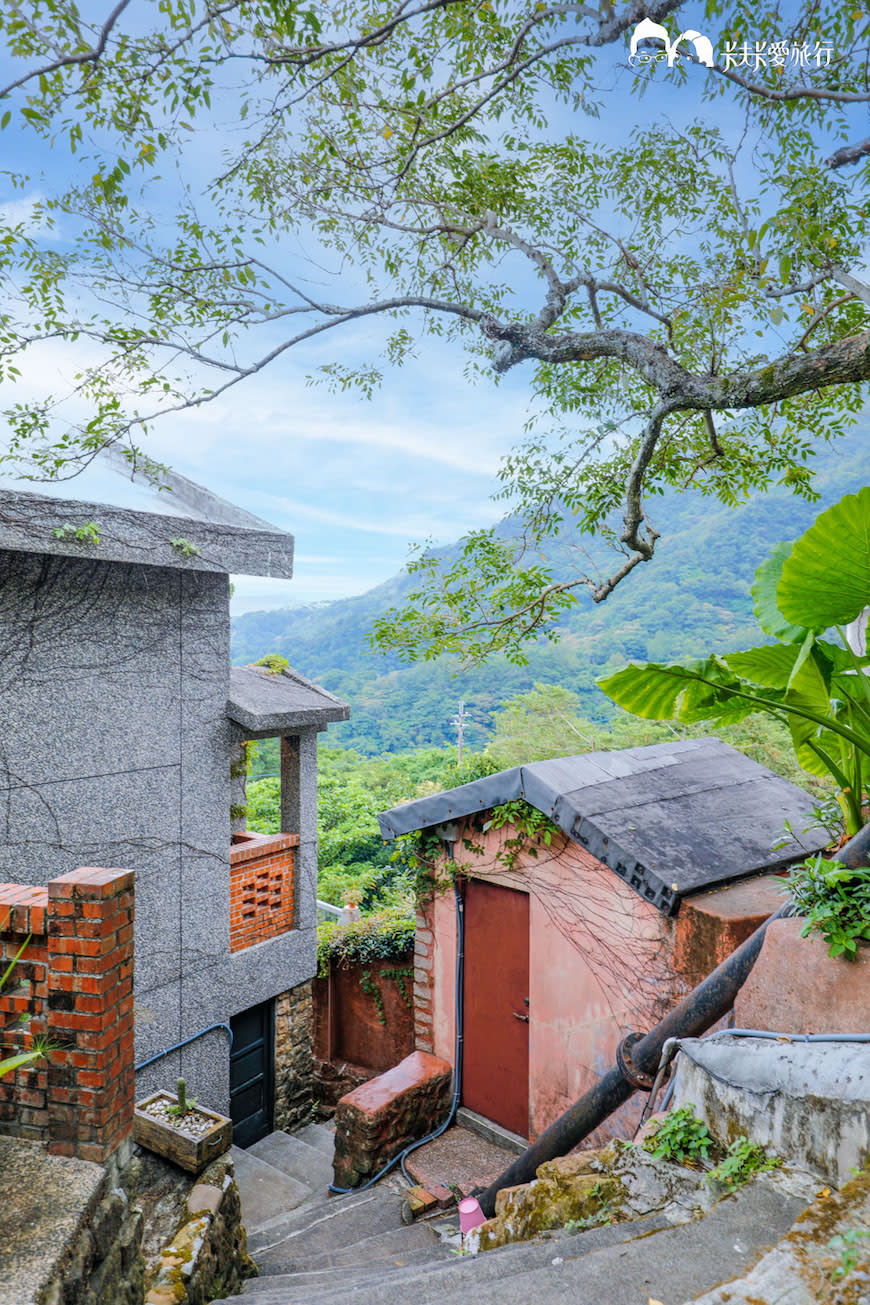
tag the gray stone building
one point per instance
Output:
(121, 723)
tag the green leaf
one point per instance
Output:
(694, 691)
(808, 690)
(825, 579)
(767, 613)
(17, 1062)
(771, 665)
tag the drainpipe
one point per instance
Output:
(638, 1056)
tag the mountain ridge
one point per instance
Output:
(693, 598)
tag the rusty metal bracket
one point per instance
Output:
(636, 1077)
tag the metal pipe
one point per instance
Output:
(184, 1043)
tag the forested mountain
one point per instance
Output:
(693, 598)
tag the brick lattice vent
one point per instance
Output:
(262, 882)
(74, 985)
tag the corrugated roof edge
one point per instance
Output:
(35, 523)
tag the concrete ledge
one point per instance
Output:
(380, 1118)
(809, 1101)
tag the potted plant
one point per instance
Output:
(180, 1130)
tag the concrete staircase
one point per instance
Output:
(313, 1249)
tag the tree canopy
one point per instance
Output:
(688, 297)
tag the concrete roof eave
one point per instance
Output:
(266, 705)
(35, 523)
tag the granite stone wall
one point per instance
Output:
(115, 751)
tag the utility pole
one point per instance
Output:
(459, 722)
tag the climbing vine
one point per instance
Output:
(423, 850)
(370, 985)
(383, 936)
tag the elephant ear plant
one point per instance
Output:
(804, 591)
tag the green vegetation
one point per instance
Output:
(680, 1136)
(182, 545)
(819, 688)
(274, 663)
(835, 901)
(386, 935)
(544, 722)
(847, 1246)
(183, 1103)
(697, 596)
(41, 1046)
(89, 533)
(742, 1160)
(686, 301)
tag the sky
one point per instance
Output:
(354, 481)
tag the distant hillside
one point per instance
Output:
(692, 598)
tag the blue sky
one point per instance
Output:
(354, 481)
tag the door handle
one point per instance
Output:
(518, 1016)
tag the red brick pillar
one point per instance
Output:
(90, 1011)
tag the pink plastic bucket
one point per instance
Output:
(470, 1214)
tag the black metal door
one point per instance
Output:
(251, 1073)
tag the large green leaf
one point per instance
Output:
(19, 1061)
(825, 579)
(693, 691)
(767, 613)
(808, 691)
(770, 665)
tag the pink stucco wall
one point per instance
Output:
(601, 965)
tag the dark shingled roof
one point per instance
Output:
(669, 819)
(28, 523)
(266, 704)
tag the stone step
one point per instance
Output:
(380, 1248)
(310, 1284)
(441, 1269)
(622, 1264)
(289, 1153)
(320, 1136)
(264, 1190)
(324, 1225)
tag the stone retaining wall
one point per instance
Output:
(208, 1256)
(379, 1119)
(84, 1230)
(293, 1057)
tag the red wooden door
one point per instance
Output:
(495, 1078)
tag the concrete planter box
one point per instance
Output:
(187, 1151)
(796, 987)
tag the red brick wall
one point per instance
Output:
(262, 902)
(74, 983)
